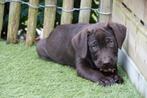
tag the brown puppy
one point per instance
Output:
(90, 48)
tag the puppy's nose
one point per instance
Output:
(107, 62)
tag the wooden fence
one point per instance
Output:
(133, 14)
(49, 17)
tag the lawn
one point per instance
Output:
(24, 75)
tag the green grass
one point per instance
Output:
(24, 75)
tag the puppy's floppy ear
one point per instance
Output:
(79, 43)
(119, 32)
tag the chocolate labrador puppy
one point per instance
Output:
(90, 48)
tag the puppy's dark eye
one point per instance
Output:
(94, 46)
(109, 42)
(94, 43)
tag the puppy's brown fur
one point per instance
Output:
(90, 48)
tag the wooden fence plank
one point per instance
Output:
(49, 18)
(84, 15)
(13, 24)
(32, 21)
(137, 7)
(135, 42)
(1, 16)
(128, 3)
(67, 17)
(134, 58)
(145, 13)
(105, 6)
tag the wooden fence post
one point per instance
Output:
(1, 15)
(49, 18)
(84, 15)
(13, 24)
(105, 7)
(32, 21)
(67, 17)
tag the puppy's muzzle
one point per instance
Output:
(108, 68)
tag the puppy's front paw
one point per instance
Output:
(106, 81)
(118, 79)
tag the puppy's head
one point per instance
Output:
(100, 44)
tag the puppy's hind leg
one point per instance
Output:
(41, 50)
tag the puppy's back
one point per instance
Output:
(58, 44)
